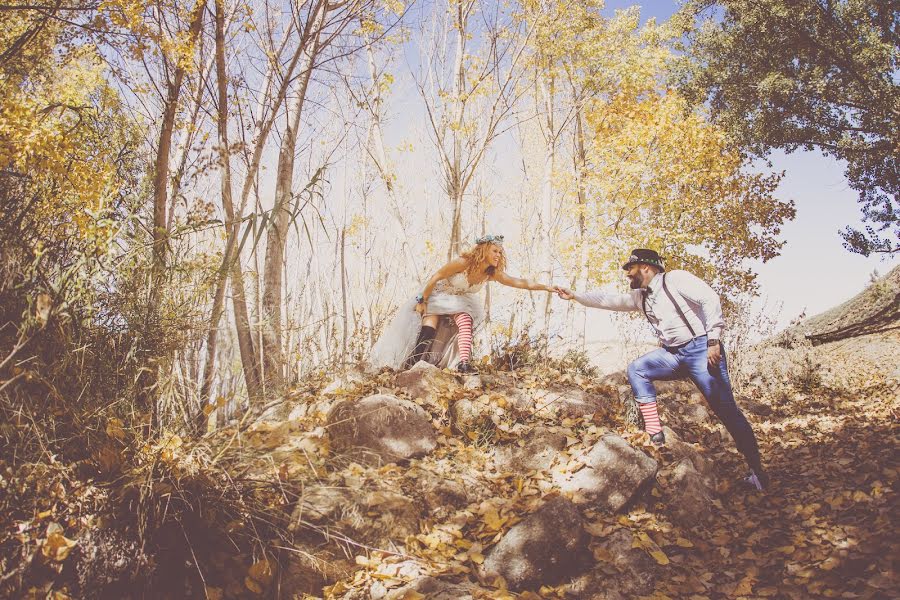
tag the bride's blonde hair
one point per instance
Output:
(477, 256)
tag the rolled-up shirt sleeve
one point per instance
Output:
(700, 293)
(620, 302)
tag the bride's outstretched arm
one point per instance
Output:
(522, 284)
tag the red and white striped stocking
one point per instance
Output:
(651, 417)
(464, 339)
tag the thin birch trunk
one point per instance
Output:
(581, 276)
(276, 232)
(231, 259)
(545, 233)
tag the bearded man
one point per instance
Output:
(686, 314)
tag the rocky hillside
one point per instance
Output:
(423, 484)
(875, 310)
(531, 483)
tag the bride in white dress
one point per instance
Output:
(439, 323)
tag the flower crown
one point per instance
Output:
(492, 239)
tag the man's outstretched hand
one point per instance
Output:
(565, 293)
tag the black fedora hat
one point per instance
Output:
(645, 256)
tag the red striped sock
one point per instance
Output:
(464, 339)
(651, 418)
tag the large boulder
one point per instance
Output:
(615, 473)
(422, 380)
(690, 409)
(564, 402)
(432, 589)
(622, 571)
(536, 451)
(381, 428)
(681, 449)
(546, 548)
(690, 497)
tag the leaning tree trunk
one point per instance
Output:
(231, 258)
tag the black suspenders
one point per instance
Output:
(672, 298)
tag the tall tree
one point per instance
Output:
(177, 62)
(470, 94)
(326, 22)
(231, 259)
(811, 74)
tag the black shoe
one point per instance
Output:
(658, 438)
(466, 368)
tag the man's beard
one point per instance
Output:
(635, 283)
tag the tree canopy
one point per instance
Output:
(808, 74)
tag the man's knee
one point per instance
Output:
(634, 372)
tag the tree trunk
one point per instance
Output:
(276, 232)
(230, 258)
(149, 376)
(580, 280)
(232, 233)
(161, 170)
(455, 176)
(545, 233)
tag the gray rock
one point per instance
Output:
(538, 452)
(422, 380)
(381, 428)
(546, 548)
(472, 382)
(434, 589)
(629, 572)
(683, 450)
(690, 497)
(572, 403)
(615, 474)
(692, 410)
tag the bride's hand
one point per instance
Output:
(420, 308)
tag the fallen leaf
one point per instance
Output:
(57, 547)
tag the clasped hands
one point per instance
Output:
(564, 293)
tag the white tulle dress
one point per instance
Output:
(449, 297)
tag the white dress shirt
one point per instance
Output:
(699, 303)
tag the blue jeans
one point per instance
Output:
(690, 360)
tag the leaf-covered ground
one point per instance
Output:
(825, 417)
(826, 420)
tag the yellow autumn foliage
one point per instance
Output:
(61, 134)
(657, 172)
